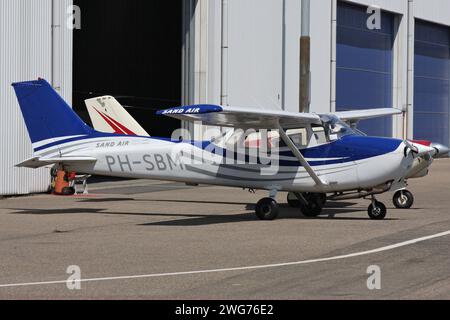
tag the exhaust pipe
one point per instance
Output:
(361, 194)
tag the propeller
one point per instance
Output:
(412, 148)
(441, 150)
(419, 150)
(424, 148)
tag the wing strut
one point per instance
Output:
(300, 158)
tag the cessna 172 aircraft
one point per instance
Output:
(308, 155)
(108, 115)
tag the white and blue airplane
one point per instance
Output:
(306, 155)
(108, 115)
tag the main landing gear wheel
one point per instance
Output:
(312, 210)
(312, 206)
(68, 191)
(320, 198)
(403, 199)
(267, 209)
(377, 211)
(293, 200)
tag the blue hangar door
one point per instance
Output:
(432, 82)
(364, 78)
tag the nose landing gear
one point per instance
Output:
(403, 199)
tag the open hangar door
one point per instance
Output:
(131, 50)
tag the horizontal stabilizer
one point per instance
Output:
(38, 162)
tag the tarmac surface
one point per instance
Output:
(156, 240)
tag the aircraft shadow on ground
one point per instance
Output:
(248, 206)
(289, 214)
(161, 200)
(55, 211)
(102, 200)
(331, 212)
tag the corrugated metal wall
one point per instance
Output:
(26, 52)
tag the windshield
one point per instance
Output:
(335, 128)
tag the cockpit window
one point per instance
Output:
(332, 129)
(320, 134)
(335, 128)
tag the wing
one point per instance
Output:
(243, 118)
(357, 115)
(108, 115)
(37, 162)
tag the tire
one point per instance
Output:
(68, 191)
(314, 207)
(312, 210)
(267, 209)
(403, 199)
(377, 212)
(292, 200)
(322, 198)
(50, 190)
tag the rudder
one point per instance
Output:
(47, 116)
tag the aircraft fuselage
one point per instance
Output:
(350, 163)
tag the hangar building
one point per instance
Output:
(159, 53)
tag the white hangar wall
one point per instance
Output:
(258, 42)
(34, 42)
(255, 53)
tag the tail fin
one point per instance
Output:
(47, 116)
(108, 115)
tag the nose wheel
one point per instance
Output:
(377, 210)
(403, 199)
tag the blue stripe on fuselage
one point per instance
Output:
(98, 135)
(347, 149)
(353, 148)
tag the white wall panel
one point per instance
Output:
(292, 55)
(320, 55)
(214, 52)
(62, 55)
(433, 10)
(25, 54)
(396, 6)
(255, 53)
